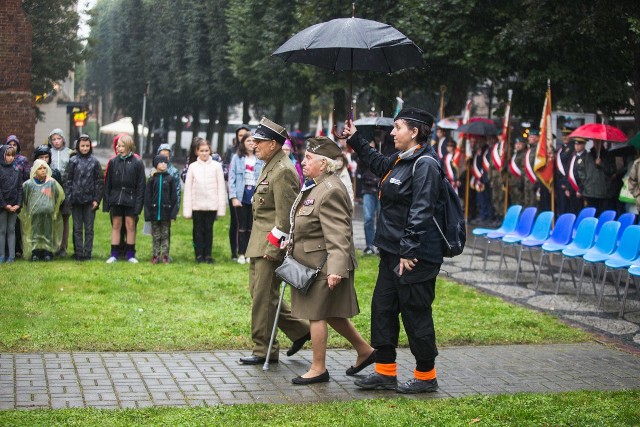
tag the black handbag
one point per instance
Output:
(297, 275)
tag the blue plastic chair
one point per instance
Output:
(632, 273)
(605, 245)
(582, 242)
(622, 258)
(605, 217)
(523, 229)
(508, 226)
(559, 239)
(539, 234)
(625, 220)
(587, 212)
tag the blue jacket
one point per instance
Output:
(236, 175)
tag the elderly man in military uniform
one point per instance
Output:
(275, 192)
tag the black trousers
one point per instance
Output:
(203, 232)
(245, 222)
(233, 231)
(83, 219)
(410, 296)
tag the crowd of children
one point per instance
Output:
(37, 200)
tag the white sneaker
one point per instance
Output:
(241, 259)
(132, 260)
(111, 260)
(247, 259)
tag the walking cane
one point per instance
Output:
(265, 367)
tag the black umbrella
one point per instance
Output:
(352, 44)
(479, 128)
(375, 121)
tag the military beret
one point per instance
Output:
(268, 130)
(415, 115)
(323, 146)
(534, 132)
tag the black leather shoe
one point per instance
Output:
(414, 386)
(322, 378)
(298, 344)
(255, 360)
(368, 361)
(376, 381)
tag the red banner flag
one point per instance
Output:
(463, 151)
(543, 165)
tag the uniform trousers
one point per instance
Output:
(411, 296)
(83, 219)
(264, 287)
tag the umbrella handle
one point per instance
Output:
(334, 129)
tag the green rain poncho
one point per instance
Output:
(40, 216)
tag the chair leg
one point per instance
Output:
(559, 278)
(604, 279)
(486, 255)
(502, 257)
(624, 296)
(579, 292)
(533, 264)
(473, 250)
(519, 262)
(595, 278)
(573, 276)
(542, 256)
(618, 284)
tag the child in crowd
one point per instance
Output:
(205, 198)
(193, 156)
(124, 196)
(161, 207)
(243, 176)
(40, 216)
(10, 202)
(83, 187)
(43, 152)
(165, 150)
(60, 155)
(21, 163)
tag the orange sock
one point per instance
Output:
(388, 369)
(424, 376)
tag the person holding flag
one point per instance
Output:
(517, 177)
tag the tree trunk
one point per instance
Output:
(212, 111)
(223, 121)
(195, 124)
(305, 114)
(178, 152)
(246, 116)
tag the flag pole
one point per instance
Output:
(550, 150)
(508, 148)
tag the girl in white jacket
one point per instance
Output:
(205, 198)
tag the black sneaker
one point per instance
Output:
(376, 381)
(368, 251)
(414, 386)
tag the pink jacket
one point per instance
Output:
(204, 188)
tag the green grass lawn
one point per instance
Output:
(93, 306)
(590, 409)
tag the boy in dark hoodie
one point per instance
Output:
(83, 186)
(21, 163)
(10, 202)
(43, 152)
(161, 207)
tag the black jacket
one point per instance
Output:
(408, 201)
(83, 181)
(161, 198)
(124, 183)
(10, 182)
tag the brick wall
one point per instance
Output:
(17, 113)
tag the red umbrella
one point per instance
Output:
(599, 131)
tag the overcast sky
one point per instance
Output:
(83, 7)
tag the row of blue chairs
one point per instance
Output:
(600, 243)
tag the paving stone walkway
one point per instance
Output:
(137, 380)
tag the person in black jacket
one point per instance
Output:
(411, 195)
(10, 202)
(83, 185)
(124, 196)
(161, 207)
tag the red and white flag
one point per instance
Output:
(542, 166)
(513, 167)
(463, 150)
(528, 168)
(319, 129)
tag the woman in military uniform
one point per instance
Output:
(322, 230)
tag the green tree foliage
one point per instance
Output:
(56, 47)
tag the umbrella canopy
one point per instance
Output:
(599, 131)
(635, 141)
(479, 128)
(123, 125)
(352, 44)
(374, 121)
(447, 124)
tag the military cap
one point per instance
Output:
(533, 131)
(323, 146)
(567, 129)
(268, 130)
(415, 115)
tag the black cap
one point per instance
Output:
(323, 146)
(415, 115)
(160, 158)
(268, 130)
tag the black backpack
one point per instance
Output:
(453, 230)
